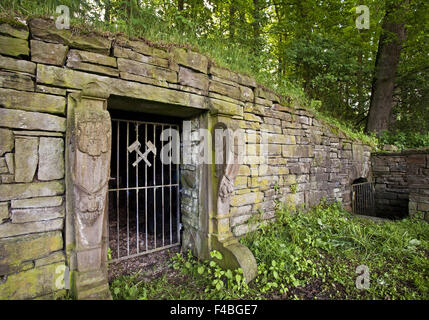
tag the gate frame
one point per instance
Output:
(88, 266)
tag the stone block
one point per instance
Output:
(130, 54)
(30, 190)
(29, 247)
(298, 151)
(252, 117)
(227, 108)
(94, 68)
(194, 79)
(246, 94)
(7, 141)
(52, 258)
(45, 30)
(32, 101)
(12, 80)
(224, 89)
(91, 57)
(33, 283)
(17, 65)
(9, 229)
(38, 202)
(48, 53)
(20, 31)
(13, 46)
(26, 158)
(147, 70)
(141, 47)
(19, 119)
(36, 214)
(190, 59)
(51, 159)
(4, 211)
(50, 90)
(52, 75)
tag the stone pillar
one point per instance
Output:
(89, 148)
(235, 255)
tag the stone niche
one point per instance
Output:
(57, 91)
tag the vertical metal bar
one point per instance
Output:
(154, 184)
(145, 190)
(128, 191)
(177, 202)
(137, 192)
(117, 188)
(162, 192)
(170, 195)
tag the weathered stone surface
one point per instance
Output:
(37, 202)
(78, 80)
(91, 57)
(223, 73)
(36, 214)
(10, 162)
(16, 81)
(4, 212)
(194, 79)
(7, 141)
(31, 190)
(29, 247)
(141, 47)
(227, 108)
(20, 32)
(146, 70)
(142, 79)
(50, 90)
(26, 158)
(246, 94)
(190, 59)
(33, 282)
(224, 89)
(298, 151)
(49, 53)
(92, 68)
(52, 258)
(51, 159)
(15, 229)
(37, 133)
(130, 54)
(31, 120)
(45, 30)
(32, 101)
(13, 46)
(17, 65)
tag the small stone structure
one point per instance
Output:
(56, 88)
(401, 183)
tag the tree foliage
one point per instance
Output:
(310, 49)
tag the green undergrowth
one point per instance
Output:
(164, 33)
(317, 254)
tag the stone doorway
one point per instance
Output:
(144, 185)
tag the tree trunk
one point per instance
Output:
(180, 5)
(232, 10)
(386, 64)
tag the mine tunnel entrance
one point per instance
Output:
(144, 200)
(363, 201)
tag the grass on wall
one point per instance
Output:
(159, 33)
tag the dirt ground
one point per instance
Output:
(149, 266)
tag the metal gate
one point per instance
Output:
(144, 213)
(363, 202)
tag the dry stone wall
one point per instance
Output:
(304, 159)
(401, 183)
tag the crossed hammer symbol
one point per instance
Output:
(142, 156)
